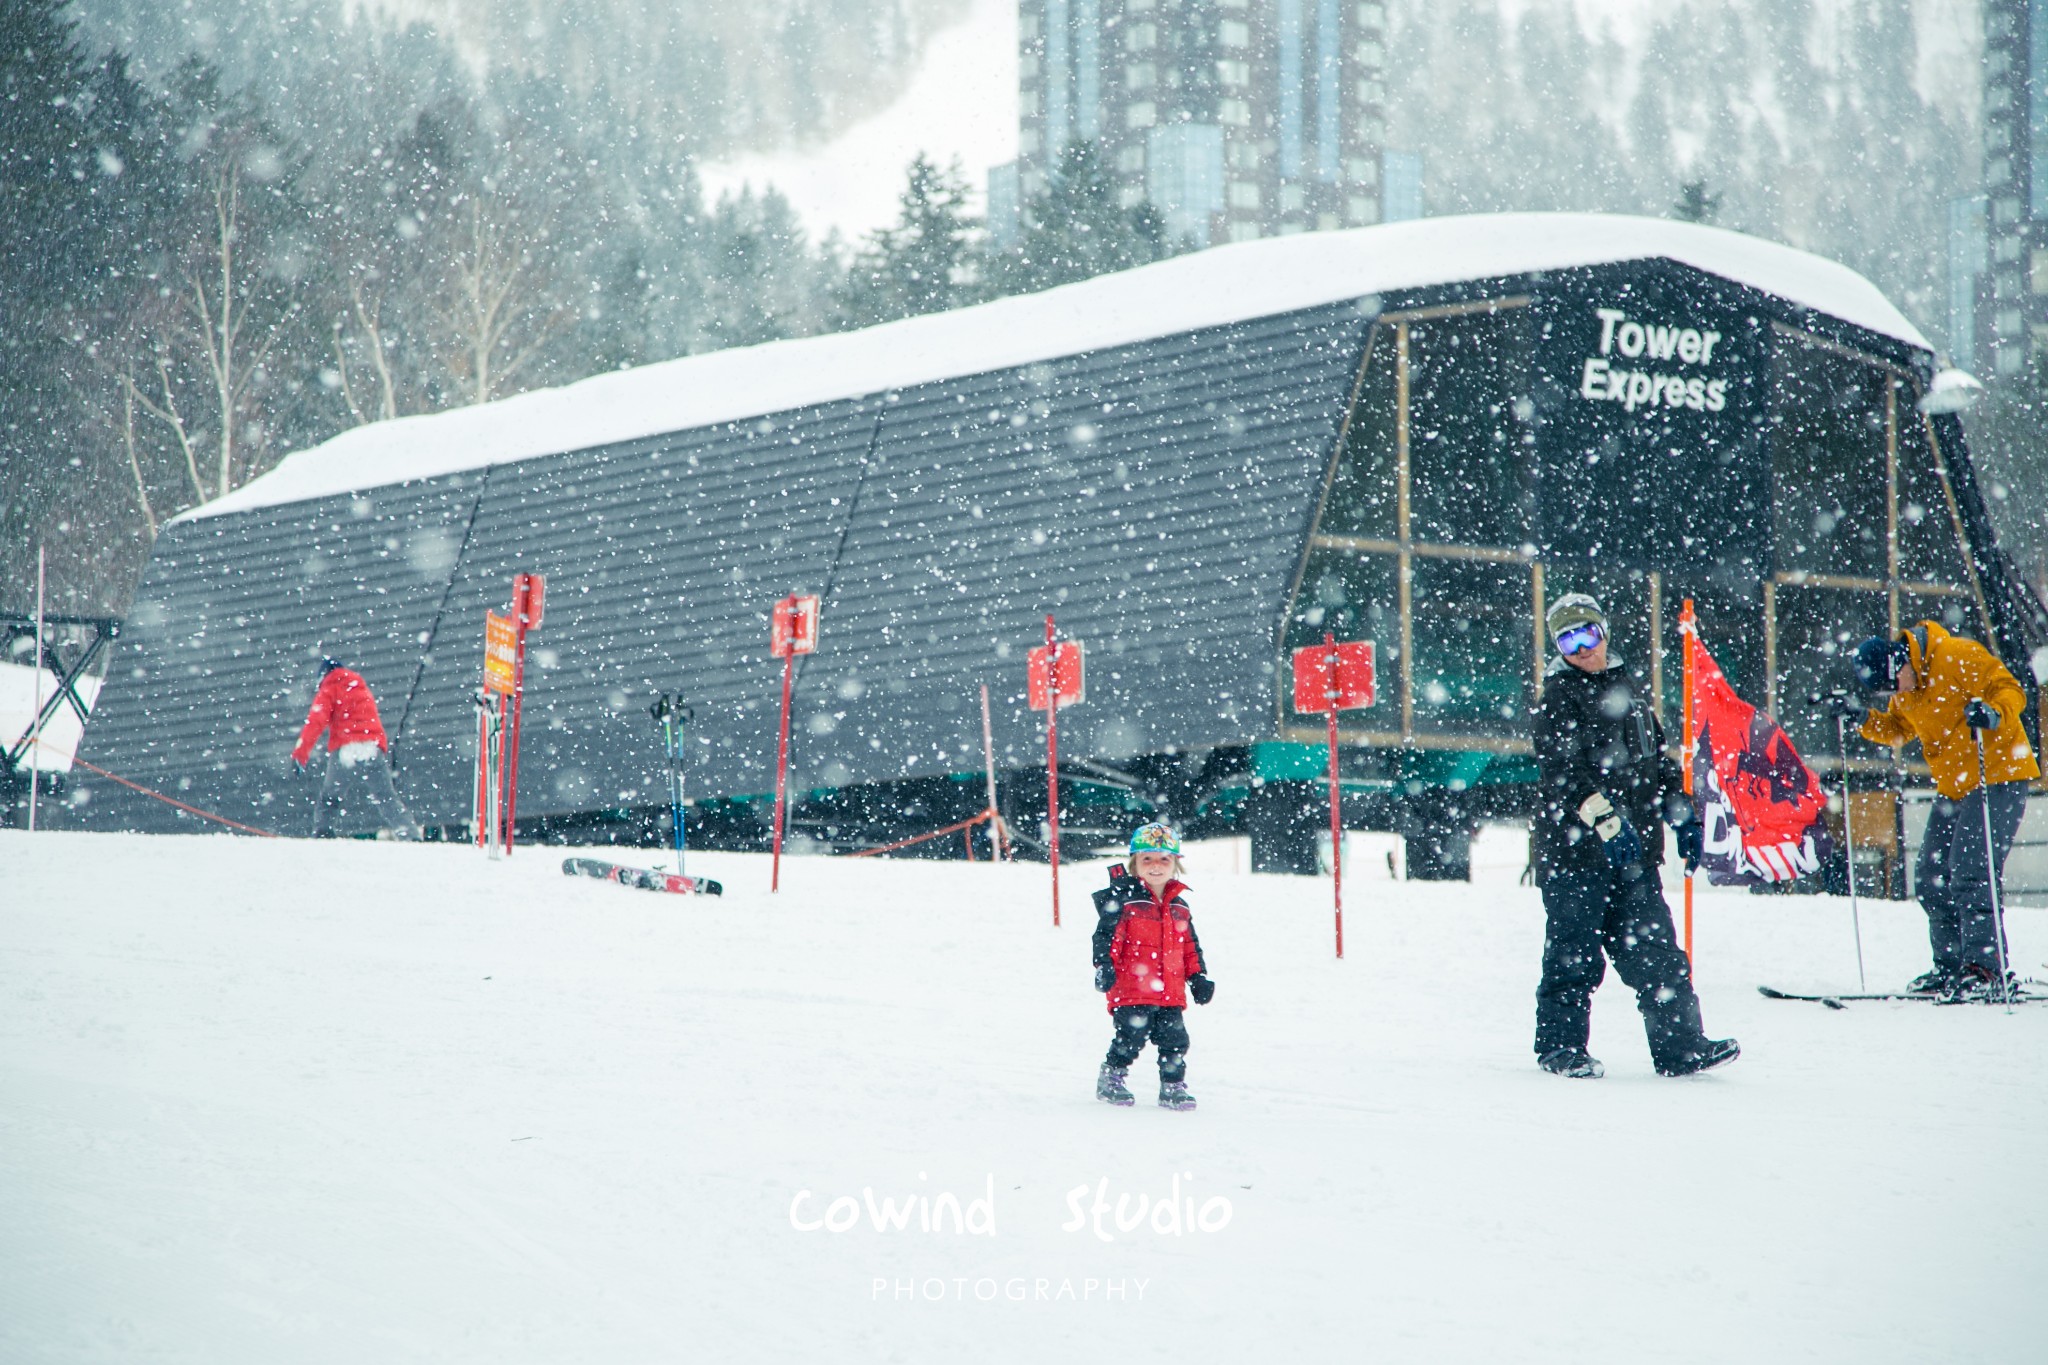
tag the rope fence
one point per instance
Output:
(988, 817)
(167, 800)
(984, 817)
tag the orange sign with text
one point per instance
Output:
(501, 648)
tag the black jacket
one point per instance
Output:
(1597, 732)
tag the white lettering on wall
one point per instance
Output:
(1604, 381)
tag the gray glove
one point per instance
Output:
(1842, 708)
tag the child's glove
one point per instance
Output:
(1202, 988)
(1105, 977)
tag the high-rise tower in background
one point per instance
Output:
(2010, 289)
(1235, 118)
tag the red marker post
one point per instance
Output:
(1689, 636)
(792, 630)
(1330, 677)
(1055, 678)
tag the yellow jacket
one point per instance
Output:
(1952, 671)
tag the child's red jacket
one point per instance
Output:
(1151, 944)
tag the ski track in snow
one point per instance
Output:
(290, 1102)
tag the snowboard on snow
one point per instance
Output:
(646, 879)
(1843, 1000)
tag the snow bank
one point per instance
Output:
(1206, 289)
(276, 1101)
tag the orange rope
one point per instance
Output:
(969, 823)
(167, 800)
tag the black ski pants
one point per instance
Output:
(346, 785)
(1626, 918)
(1956, 870)
(1162, 1026)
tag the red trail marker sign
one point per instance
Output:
(1054, 677)
(792, 630)
(1330, 677)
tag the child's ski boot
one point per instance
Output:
(1174, 1095)
(1110, 1087)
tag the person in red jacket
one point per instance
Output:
(1148, 962)
(358, 755)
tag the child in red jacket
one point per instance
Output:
(1148, 961)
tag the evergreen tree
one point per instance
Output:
(61, 168)
(924, 263)
(758, 280)
(1694, 204)
(1076, 229)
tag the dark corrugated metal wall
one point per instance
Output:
(1154, 496)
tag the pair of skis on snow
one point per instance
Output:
(645, 878)
(673, 717)
(1842, 1001)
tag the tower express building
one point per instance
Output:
(1416, 434)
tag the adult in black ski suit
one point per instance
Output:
(1607, 788)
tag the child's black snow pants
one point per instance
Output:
(1163, 1026)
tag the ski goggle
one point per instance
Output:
(1579, 639)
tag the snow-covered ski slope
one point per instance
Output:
(278, 1103)
(1204, 289)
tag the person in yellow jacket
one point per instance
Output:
(1953, 695)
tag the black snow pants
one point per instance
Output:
(1627, 918)
(347, 784)
(1954, 876)
(1163, 1026)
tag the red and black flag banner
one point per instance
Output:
(1761, 807)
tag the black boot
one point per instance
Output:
(1174, 1095)
(1714, 1052)
(1934, 982)
(1110, 1087)
(1975, 984)
(1572, 1062)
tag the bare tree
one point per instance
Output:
(362, 332)
(501, 304)
(193, 351)
(222, 289)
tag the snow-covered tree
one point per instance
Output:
(1076, 229)
(922, 263)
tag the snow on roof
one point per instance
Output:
(1210, 288)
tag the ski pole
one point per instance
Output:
(1991, 875)
(665, 713)
(681, 779)
(1849, 849)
